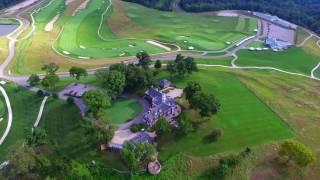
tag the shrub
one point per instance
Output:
(137, 127)
(70, 100)
(40, 93)
(213, 136)
(55, 95)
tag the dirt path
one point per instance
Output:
(6, 98)
(305, 40)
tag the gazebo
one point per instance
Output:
(154, 167)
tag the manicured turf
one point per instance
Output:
(245, 120)
(224, 61)
(123, 110)
(257, 44)
(25, 107)
(293, 59)
(122, 40)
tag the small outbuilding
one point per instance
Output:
(154, 167)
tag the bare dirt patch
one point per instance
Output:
(81, 7)
(50, 25)
(227, 14)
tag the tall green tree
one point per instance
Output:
(162, 127)
(34, 80)
(297, 152)
(50, 81)
(158, 64)
(51, 68)
(113, 81)
(185, 126)
(206, 103)
(37, 136)
(77, 72)
(191, 89)
(135, 154)
(97, 100)
(22, 159)
(144, 59)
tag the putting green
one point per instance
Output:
(123, 110)
(79, 37)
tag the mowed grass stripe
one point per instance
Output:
(245, 120)
(294, 60)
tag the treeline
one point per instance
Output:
(7, 3)
(305, 13)
(157, 4)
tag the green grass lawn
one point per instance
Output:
(25, 107)
(257, 44)
(123, 110)
(62, 123)
(293, 60)
(2, 108)
(224, 61)
(317, 73)
(3, 117)
(66, 81)
(145, 23)
(245, 119)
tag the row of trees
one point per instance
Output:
(206, 103)
(304, 13)
(182, 66)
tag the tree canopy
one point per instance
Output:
(113, 81)
(135, 154)
(97, 100)
(297, 152)
(77, 72)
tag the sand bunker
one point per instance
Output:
(66, 52)
(50, 25)
(19, 6)
(81, 7)
(227, 14)
(83, 57)
(69, 2)
(159, 45)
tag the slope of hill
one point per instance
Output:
(304, 13)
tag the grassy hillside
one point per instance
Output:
(25, 107)
(245, 120)
(293, 60)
